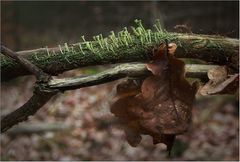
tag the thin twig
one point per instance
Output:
(39, 98)
(169, 77)
(33, 69)
(40, 95)
(134, 70)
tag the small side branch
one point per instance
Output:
(38, 99)
(40, 95)
(118, 72)
(33, 69)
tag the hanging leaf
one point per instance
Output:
(159, 105)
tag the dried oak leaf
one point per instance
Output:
(220, 82)
(159, 105)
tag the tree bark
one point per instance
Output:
(132, 70)
(215, 49)
(38, 99)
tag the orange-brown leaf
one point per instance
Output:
(159, 106)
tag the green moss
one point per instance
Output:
(113, 47)
(128, 45)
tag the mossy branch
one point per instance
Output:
(135, 46)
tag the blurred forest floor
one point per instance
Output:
(89, 131)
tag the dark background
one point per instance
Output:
(86, 130)
(27, 25)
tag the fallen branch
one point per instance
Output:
(125, 47)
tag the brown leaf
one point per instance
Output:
(220, 82)
(218, 74)
(159, 106)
